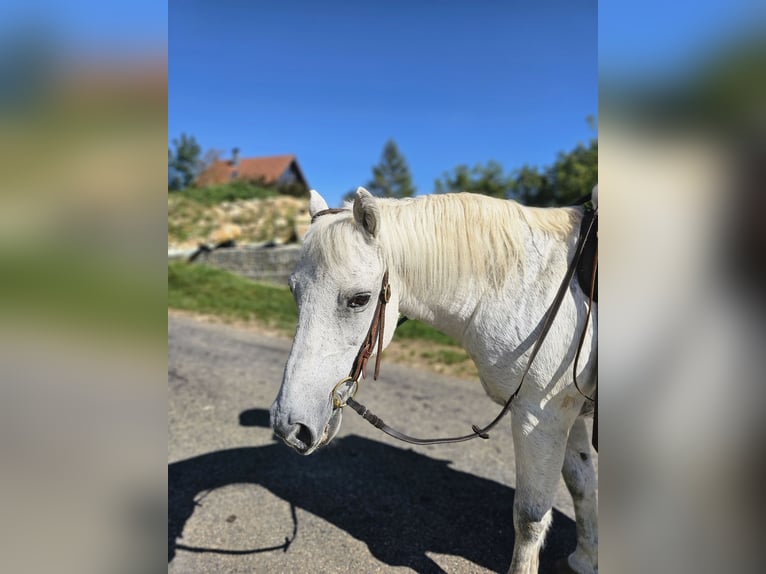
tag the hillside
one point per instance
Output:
(191, 222)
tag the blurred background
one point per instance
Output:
(83, 112)
(501, 102)
(681, 126)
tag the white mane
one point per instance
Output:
(446, 241)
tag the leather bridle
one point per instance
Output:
(340, 399)
(374, 334)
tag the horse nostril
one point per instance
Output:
(296, 435)
(304, 435)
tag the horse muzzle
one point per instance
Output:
(301, 436)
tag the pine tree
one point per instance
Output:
(391, 177)
(184, 162)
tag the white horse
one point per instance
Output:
(483, 271)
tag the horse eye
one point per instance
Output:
(359, 300)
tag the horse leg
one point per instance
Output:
(539, 442)
(580, 479)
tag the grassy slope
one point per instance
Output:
(216, 292)
(227, 192)
(211, 291)
(194, 213)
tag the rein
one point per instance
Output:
(375, 333)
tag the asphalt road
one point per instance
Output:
(240, 501)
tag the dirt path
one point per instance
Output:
(422, 355)
(240, 501)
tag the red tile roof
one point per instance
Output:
(268, 169)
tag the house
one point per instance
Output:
(281, 170)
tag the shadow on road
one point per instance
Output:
(402, 504)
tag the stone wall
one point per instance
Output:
(271, 264)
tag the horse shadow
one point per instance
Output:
(401, 503)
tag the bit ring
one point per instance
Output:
(337, 400)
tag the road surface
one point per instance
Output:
(240, 501)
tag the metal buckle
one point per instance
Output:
(385, 294)
(338, 401)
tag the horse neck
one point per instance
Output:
(432, 270)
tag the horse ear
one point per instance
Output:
(316, 203)
(366, 211)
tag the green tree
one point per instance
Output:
(486, 179)
(529, 186)
(183, 162)
(570, 177)
(391, 176)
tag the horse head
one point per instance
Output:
(336, 286)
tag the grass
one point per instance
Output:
(195, 213)
(412, 329)
(446, 356)
(82, 291)
(230, 297)
(188, 218)
(234, 191)
(212, 291)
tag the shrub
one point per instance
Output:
(228, 192)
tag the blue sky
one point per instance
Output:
(451, 82)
